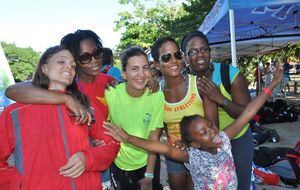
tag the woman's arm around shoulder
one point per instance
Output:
(149, 145)
(27, 93)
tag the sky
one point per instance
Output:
(42, 23)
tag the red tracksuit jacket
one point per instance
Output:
(42, 138)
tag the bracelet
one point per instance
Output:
(267, 91)
(225, 103)
(150, 175)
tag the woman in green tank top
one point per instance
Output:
(196, 48)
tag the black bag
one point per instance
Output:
(259, 138)
(287, 169)
(279, 105)
(267, 114)
(278, 112)
(273, 136)
(282, 161)
(225, 77)
(265, 156)
(262, 134)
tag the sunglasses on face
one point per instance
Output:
(195, 51)
(86, 58)
(167, 56)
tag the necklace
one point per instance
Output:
(184, 83)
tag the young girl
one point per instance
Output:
(208, 156)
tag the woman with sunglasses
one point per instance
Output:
(197, 54)
(52, 151)
(87, 49)
(182, 98)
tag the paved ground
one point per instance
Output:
(289, 135)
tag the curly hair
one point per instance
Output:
(185, 123)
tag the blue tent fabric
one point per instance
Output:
(254, 19)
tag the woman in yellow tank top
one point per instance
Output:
(181, 99)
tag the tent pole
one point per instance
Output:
(259, 74)
(232, 37)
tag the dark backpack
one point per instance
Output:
(265, 156)
(279, 104)
(262, 134)
(225, 77)
(287, 169)
(287, 115)
(281, 161)
(278, 112)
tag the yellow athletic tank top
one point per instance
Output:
(173, 112)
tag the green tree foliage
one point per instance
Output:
(148, 21)
(22, 61)
(195, 12)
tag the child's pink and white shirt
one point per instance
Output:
(213, 172)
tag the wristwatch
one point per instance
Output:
(224, 103)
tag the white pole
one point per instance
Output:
(232, 37)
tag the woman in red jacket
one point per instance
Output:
(52, 151)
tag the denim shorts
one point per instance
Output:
(106, 181)
(174, 166)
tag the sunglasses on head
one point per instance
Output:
(86, 58)
(167, 56)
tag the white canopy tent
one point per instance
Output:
(252, 47)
